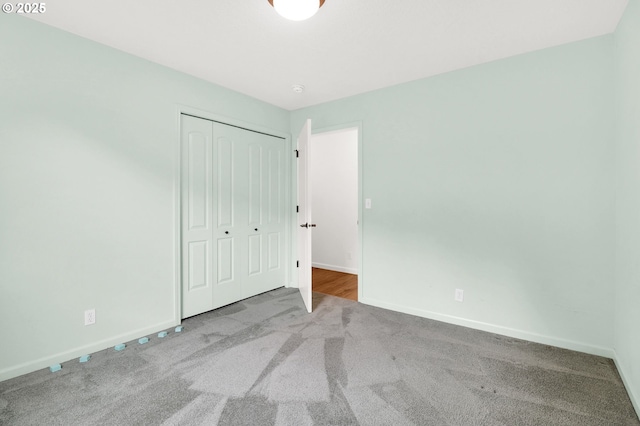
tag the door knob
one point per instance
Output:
(226, 232)
(256, 229)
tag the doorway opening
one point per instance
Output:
(334, 176)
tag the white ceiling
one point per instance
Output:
(348, 47)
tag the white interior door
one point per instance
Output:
(304, 215)
(229, 210)
(197, 216)
(265, 220)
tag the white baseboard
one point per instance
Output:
(491, 328)
(635, 399)
(336, 268)
(59, 358)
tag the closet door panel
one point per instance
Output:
(225, 181)
(197, 215)
(270, 170)
(255, 184)
(229, 187)
(225, 260)
(255, 255)
(273, 251)
(275, 185)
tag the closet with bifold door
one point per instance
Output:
(232, 214)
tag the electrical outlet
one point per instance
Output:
(367, 203)
(90, 317)
(459, 297)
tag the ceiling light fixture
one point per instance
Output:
(298, 88)
(296, 10)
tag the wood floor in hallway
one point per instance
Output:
(335, 283)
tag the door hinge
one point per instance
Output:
(297, 209)
(297, 153)
(297, 263)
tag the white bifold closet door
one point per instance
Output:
(233, 214)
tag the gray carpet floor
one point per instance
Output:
(265, 361)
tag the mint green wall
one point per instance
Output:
(497, 180)
(88, 156)
(627, 307)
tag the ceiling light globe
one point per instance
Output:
(296, 10)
